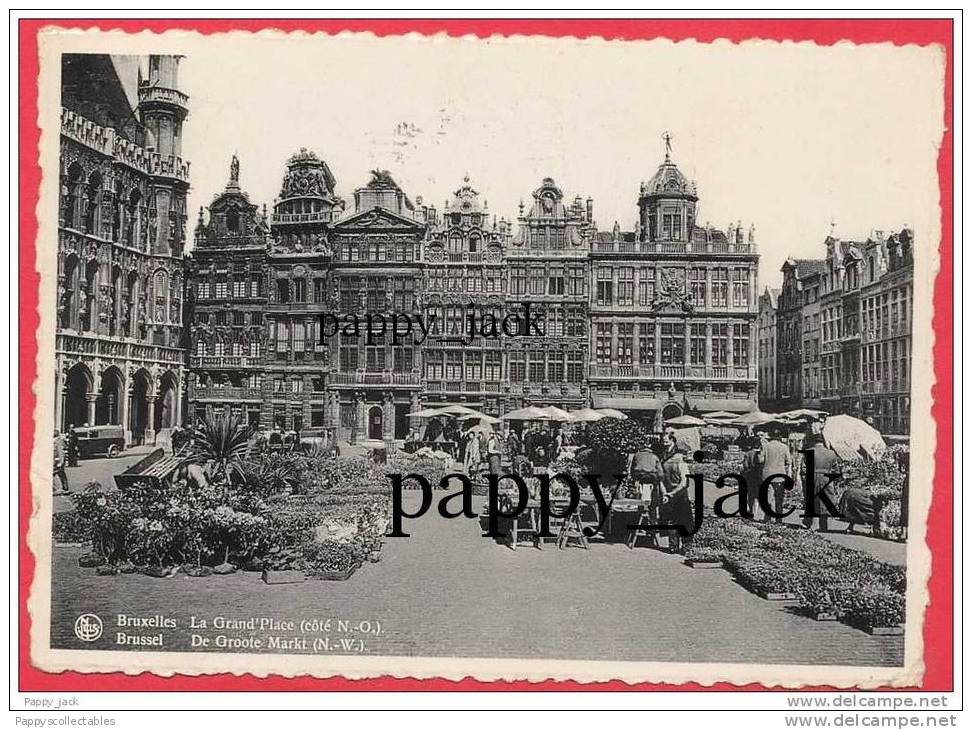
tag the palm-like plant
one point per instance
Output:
(221, 442)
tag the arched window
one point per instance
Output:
(233, 220)
(455, 243)
(474, 242)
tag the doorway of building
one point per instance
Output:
(672, 410)
(401, 420)
(375, 423)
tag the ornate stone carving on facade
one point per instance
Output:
(672, 294)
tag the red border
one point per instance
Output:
(939, 618)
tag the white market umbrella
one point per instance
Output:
(556, 414)
(811, 414)
(720, 416)
(425, 413)
(586, 415)
(481, 428)
(481, 417)
(684, 421)
(530, 413)
(611, 413)
(756, 418)
(850, 436)
(457, 410)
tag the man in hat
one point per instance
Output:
(774, 457)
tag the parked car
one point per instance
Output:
(96, 440)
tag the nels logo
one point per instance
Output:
(88, 627)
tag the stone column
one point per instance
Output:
(124, 410)
(150, 420)
(177, 406)
(60, 393)
(91, 398)
(388, 417)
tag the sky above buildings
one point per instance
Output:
(787, 137)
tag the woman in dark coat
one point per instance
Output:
(857, 507)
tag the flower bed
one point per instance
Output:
(326, 526)
(827, 579)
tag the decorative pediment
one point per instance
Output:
(377, 219)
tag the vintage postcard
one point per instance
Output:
(516, 357)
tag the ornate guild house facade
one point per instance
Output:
(120, 357)
(657, 322)
(673, 309)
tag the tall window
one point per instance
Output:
(283, 337)
(433, 366)
(538, 366)
(518, 280)
(673, 343)
(575, 366)
(222, 288)
(697, 286)
(576, 325)
(538, 283)
(283, 291)
(646, 287)
(555, 366)
(575, 281)
(625, 351)
(720, 287)
(517, 366)
(453, 366)
(646, 343)
(403, 291)
(254, 286)
(375, 357)
(493, 365)
(555, 280)
(202, 290)
(239, 287)
(697, 344)
(720, 344)
(602, 343)
(555, 321)
(474, 365)
(626, 286)
(299, 333)
(605, 285)
(403, 359)
(672, 227)
(740, 287)
(320, 290)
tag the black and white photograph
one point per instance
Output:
(510, 358)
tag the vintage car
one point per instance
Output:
(96, 440)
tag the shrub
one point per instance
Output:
(322, 558)
(70, 527)
(874, 604)
(274, 472)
